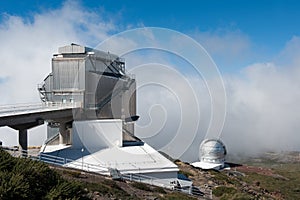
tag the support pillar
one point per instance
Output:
(63, 133)
(22, 128)
(23, 143)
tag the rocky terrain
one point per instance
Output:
(267, 176)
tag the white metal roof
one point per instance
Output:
(205, 165)
(131, 159)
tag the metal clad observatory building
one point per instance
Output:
(101, 130)
(94, 79)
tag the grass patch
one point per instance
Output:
(108, 188)
(178, 196)
(223, 190)
(141, 186)
(186, 173)
(159, 190)
(289, 188)
(223, 179)
(237, 196)
(74, 174)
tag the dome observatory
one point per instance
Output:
(212, 154)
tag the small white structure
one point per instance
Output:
(212, 155)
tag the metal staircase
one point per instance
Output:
(42, 92)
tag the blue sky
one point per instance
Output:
(267, 25)
(255, 44)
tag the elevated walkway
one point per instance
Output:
(18, 114)
(22, 117)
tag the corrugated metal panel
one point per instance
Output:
(73, 48)
(49, 82)
(49, 87)
(95, 65)
(108, 65)
(105, 55)
(68, 74)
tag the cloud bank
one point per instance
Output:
(262, 107)
(263, 104)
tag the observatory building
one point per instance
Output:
(99, 135)
(95, 82)
(212, 155)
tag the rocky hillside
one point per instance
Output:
(104, 188)
(264, 177)
(268, 176)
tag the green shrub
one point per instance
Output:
(6, 161)
(108, 187)
(186, 173)
(221, 190)
(23, 178)
(13, 186)
(101, 188)
(141, 186)
(65, 190)
(178, 196)
(159, 190)
(38, 175)
(75, 174)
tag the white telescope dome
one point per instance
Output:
(212, 151)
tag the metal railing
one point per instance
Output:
(51, 139)
(86, 166)
(45, 106)
(147, 179)
(56, 160)
(191, 190)
(66, 162)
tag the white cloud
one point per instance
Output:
(231, 43)
(263, 106)
(290, 55)
(27, 46)
(227, 47)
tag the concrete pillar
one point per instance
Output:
(63, 133)
(23, 142)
